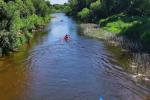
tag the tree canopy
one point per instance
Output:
(17, 16)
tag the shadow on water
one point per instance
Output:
(54, 69)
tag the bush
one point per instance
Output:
(41, 8)
(95, 5)
(18, 18)
(84, 14)
(134, 27)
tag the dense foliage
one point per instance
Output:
(125, 17)
(18, 18)
(106, 8)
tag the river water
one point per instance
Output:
(53, 69)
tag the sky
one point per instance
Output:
(58, 1)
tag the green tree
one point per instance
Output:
(41, 7)
(18, 18)
(84, 14)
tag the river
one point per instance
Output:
(53, 69)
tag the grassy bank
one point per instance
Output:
(134, 27)
(93, 31)
(132, 32)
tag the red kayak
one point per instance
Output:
(67, 37)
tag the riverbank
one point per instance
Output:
(134, 27)
(132, 56)
(94, 31)
(22, 36)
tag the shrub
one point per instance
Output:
(84, 14)
(18, 18)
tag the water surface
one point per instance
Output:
(54, 69)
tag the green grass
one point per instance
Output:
(135, 27)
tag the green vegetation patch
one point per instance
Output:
(134, 27)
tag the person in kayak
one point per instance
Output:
(67, 37)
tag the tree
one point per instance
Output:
(41, 7)
(17, 16)
(84, 14)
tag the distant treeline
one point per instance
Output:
(17, 20)
(57, 8)
(124, 17)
